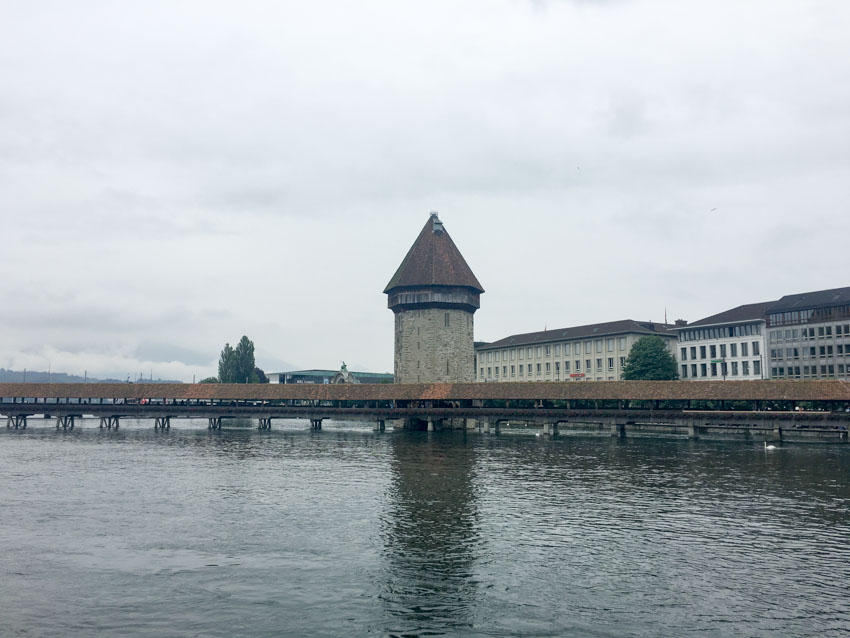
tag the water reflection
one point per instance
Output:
(430, 532)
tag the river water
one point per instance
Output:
(346, 532)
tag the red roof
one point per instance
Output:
(433, 260)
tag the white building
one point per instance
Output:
(726, 346)
(809, 335)
(596, 352)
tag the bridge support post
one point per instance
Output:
(693, 430)
(109, 422)
(65, 422)
(315, 424)
(214, 423)
(380, 425)
(430, 424)
(618, 430)
(161, 422)
(265, 423)
(777, 434)
(19, 421)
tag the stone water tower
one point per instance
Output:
(434, 296)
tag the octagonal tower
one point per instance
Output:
(434, 296)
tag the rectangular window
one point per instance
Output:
(497, 371)
(713, 350)
(703, 368)
(566, 366)
(713, 369)
(734, 368)
(693, 352)
(504, 355)
(598, 347)
(521, 353)
(733, 349)
(481, 376)
(622, 343)
(539, 351)
(548, 350)
(513, 371)
(755, 349)
(587, 347)
(722, 350)
(538, 369)
(577, 348)
(557, 367)
(528, 353)
(489, 372)
(557, 350)
(598, 365)
(610, 345)
(548, 368)
(513, 355)
(684, 354)
(684, 370)
(744, 348)
(529, 369)
(702, 352)
(745, 368)
(578, 366)
(522, 369)
(693, 370)
(587, 365)
(610, 363)
(724, 369)
(757, 367)
(622, 361)
(504, 371)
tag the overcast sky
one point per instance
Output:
(176, 174)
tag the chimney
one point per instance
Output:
(681, 323)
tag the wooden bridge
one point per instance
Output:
(750, 409)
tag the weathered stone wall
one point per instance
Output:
(427, 350)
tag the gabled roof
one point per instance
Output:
(747, 312)
(433, 260)
(582, 332)
(816, 299)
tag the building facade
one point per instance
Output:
(809, 335)
(595, 352)
(434, 296)
(326, 376)
(726, 346)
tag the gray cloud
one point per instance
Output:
(184, 174)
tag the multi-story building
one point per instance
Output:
(595, 352)
(726, 346)
(327, 376)
(809, 335)
(434, 296)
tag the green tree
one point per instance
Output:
(650, 360)
(227, 372)
(236, 365)
(209, 380)
(245, 365)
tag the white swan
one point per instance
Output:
(769, 447)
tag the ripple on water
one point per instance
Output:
(346, 532)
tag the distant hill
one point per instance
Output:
(17, 376)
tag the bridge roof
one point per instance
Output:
(778, 390)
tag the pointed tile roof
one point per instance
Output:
(433, 260)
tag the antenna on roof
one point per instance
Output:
(438, 225)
